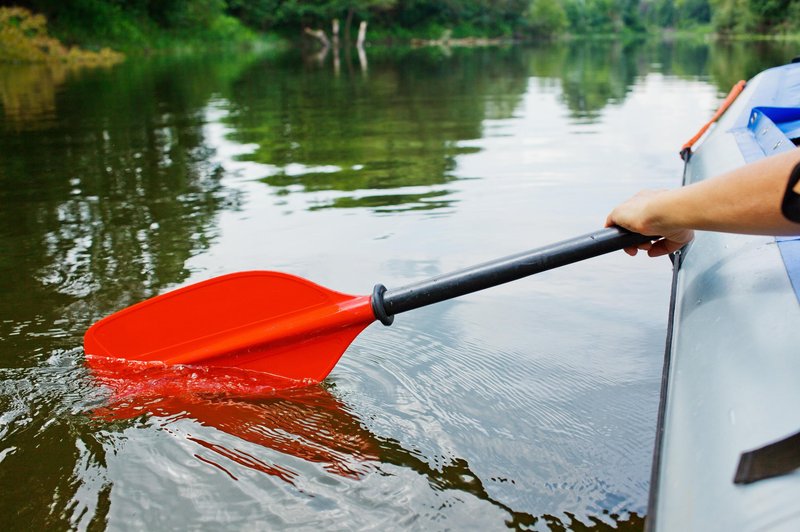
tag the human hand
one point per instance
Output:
(644, 213)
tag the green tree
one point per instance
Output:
(769, 13)
(185, 14)
(675, 13)
(465, 17)
(732, 16)
(602, 16)
(659, 13)
(691, 12)
(547, 17)
(289, 15)
(630, 15)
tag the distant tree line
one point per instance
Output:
(114, 19)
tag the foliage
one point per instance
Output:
(24, 38)
(732, 16)
(769, 12)
(158, 23)
(142, 24)
(728, 17)
(480, 17)
(603, 16)
(676, 13)
(547, 18)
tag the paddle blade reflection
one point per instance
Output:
(286, 416)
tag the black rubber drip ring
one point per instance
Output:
(377, 305)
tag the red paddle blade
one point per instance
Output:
(262, 321)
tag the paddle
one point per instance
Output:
(292, 328)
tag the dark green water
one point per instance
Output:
(529, 405)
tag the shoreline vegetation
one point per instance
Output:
(103, 32)
(24, 39)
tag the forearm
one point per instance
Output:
(745, 200)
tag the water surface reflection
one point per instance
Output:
(309, 423)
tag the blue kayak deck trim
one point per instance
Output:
(790, 251)
(768, 132)
(771, 129)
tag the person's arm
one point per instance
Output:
(745, 200)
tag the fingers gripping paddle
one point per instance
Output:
(290, 327)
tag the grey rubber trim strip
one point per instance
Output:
(655, 471)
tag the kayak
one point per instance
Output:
(728, 438)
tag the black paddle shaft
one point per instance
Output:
(387, 303)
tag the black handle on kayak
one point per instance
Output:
(387, 303)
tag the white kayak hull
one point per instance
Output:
(732, 369)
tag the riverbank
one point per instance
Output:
(112, 33)
(107, 32)
(135, 36)
(24, 38)
(707, 33)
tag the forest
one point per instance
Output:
(131, 23)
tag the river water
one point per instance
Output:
(531, 405)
